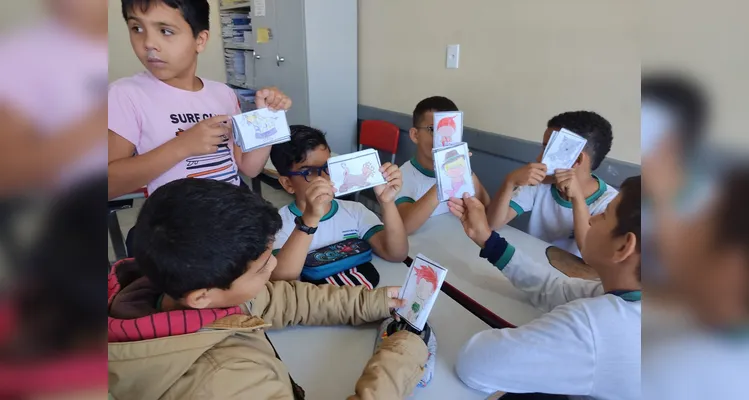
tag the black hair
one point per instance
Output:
(591, 126)
(683, 98)
(733, 217)
(303, 140)
(434, 103)
(629, 210)
(195, 12)
(201, 234)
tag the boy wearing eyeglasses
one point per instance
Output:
(315, 219)
(418, 200)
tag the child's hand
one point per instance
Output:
(394, 301)
(386, 193)
(472, 216)
(205, 136)
(319, 194)
(528, 175)
(567, 182)
(272, 98)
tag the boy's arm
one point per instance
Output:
(253, 162)
(581, 220)
(284, 303)
(506, 204)
(390, 243)
(481, 192)
(552, 354)
(415, 214)
(394, 370)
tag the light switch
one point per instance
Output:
(453, 56)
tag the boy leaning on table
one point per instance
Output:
(562, 203)
(588, 344)
(418, 199)
(315, 219)
(187, 316)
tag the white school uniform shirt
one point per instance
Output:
(552, 218)
(345, 220)
(587, 346)
(417, 180)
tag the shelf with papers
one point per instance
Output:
(235, 6)
(237, 47)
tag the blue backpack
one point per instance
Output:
(337, 257)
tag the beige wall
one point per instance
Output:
(521, 62)
(122, 60)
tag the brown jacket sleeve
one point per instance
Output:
(394, 370)
(284, 303)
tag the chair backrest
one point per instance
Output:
(380, 135)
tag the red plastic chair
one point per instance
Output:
(380, 135)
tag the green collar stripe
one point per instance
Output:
(627, 295)
(333, 209)
(590, 200)
(421, 168)
(404, 199)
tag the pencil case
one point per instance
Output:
(335, 258)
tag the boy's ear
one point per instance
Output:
(412, 133)
(197, 299)
(627, 248)
(202, 40)
(285, 182)
(580, 159)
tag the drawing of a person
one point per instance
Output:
(455, 168)
(445, 130)
(426, 285)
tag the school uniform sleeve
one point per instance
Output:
(124, 118)
(409, 190)
(283, 303)
(554, 354)
(523, 198)
(546, 289)
(283, 234)
(367, 222)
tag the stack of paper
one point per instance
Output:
(562, 151)
(260, 128)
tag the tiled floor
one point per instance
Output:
(127, 218)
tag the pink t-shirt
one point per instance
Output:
(148, 113)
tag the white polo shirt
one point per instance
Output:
(552, 218)
(345, 220)
(587, 346)
(417, 180)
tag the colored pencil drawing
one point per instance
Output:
(453, 169)
(448, 128)
(260, 128)
(426, 286)
(420, 290)
(351, 181)
(264, 126)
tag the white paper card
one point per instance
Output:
(356, 171)
(259, 8)
(452, 168)
(420, 290)
(448, 128)
(562, 151)
(260, 128)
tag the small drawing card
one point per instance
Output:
(420, 291)
(356, 171)
(562, 151)
(452, 167)
(260, 128)
(448, 128)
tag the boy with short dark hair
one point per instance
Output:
(589, 341)
(315, 219)
(187, 315)
(167, 123)
(418, 199)
(563, 202)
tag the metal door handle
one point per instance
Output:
(257, 56)
(279, 60)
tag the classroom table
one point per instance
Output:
(327, 361)
(443, 240)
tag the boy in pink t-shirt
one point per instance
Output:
(166, 123)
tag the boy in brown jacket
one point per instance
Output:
(187, 315)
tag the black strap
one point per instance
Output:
(298, 391)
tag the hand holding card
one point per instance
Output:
(420, 291)
(356, 171)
